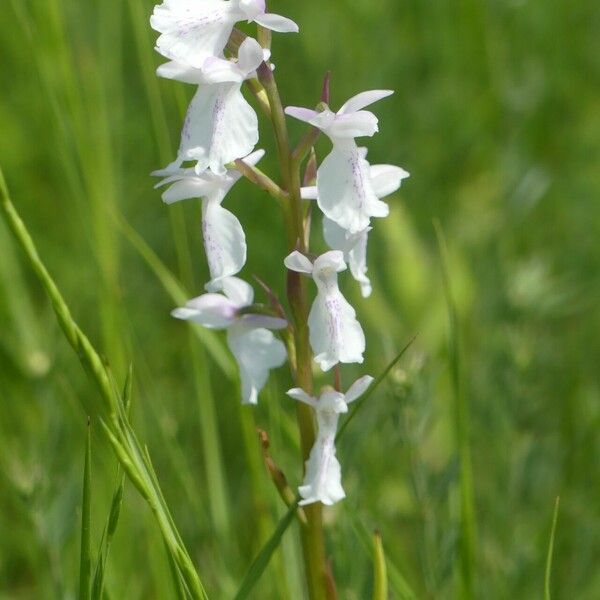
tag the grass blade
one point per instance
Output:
(380, 582)
(397, 582)
(109, 531)
(548, 572)
(178, 294)
(462, 428)
(85, 560)
(117, 427)
(262, 559)
(378, 381)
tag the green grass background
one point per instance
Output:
(496, 116)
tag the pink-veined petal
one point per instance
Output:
(224, 241)
(295, 261)
(363, 99)
(192, 31)
(344, 189)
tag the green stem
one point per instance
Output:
(313, 541)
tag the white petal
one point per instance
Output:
(386, 179)
(357, 124)
(323, 479)
(309, 192)
(336, 237)
(187, 188)
(300, 395)
(219, 70)
(363, 99)
(235, 130)
(277, 23)
(224, 241)
(335, 334)
(250, 55)
(344, 189)
(220, 126)
(265, 321)
(358, 388)
(180, 72)
(295, 261)
(238, 291)
(357, 259)
(210, 310)
(256, 352)
(254, 158)
(329, 262)
(192, 31)
(300, 113)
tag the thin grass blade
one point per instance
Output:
(549, 555)
(262, 559)
(462, 429)
(85, 557)
(378, 381)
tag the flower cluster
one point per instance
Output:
(217, 147)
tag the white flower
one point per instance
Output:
(255, 348)
(345, 191)
(223, 236)
(220, 126)
(385, 180)
(335, 334)
(323, 479)
(193, 30)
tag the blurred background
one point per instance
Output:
(496, 116)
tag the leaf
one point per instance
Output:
(85, 556)
(262, 559)
(548, 572)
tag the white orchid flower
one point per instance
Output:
(385, 180)
(220, 126)
(323, 477)
(345, 191)
(254, 347)
(222, 233)
(335, 334)
(194, 30)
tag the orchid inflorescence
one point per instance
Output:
(218, 141)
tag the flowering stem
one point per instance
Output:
(313, 542)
